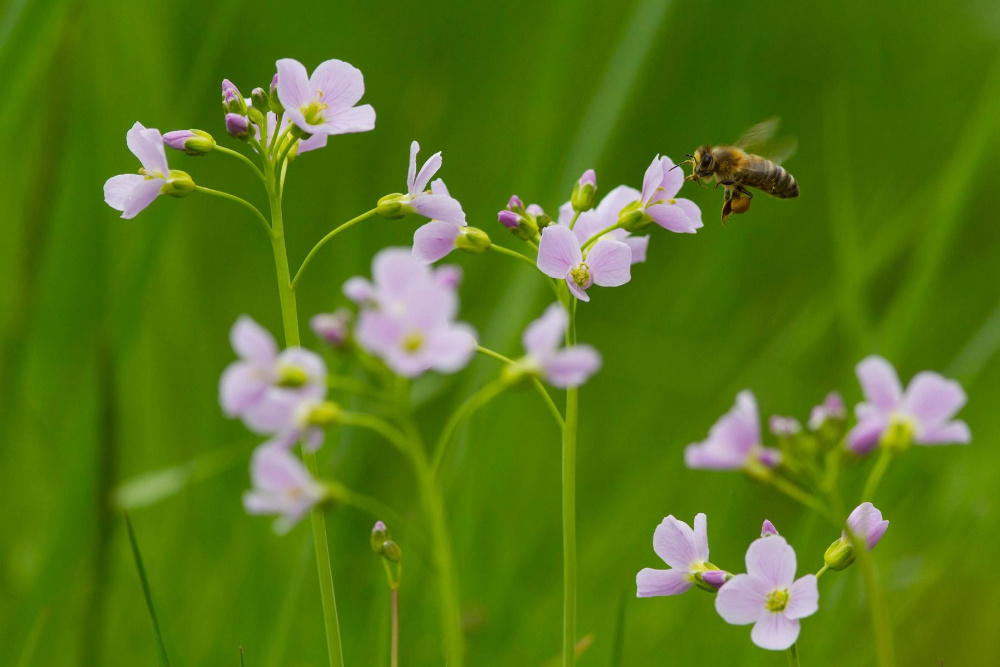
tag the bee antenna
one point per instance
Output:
(675, 166)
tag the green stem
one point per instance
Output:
(289, 318)
(881, 465)
(323, 241)
(822, 570)
(572, 223)
(353, 386)
(596, 237)
(569, 508)
(239, 200)
(486, 394)
(244, 158)
(801, 496)
(793, 656)
(539, 387)
(394, 655)
(513, 253)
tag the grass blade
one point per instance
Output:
(161, 647)
(31, 643)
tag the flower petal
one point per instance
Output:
(952, 433)
(674, 542)
(933, 399)
(451, 349)
(741, 600)
(359, 290)
(240, 387)
(775, 632)
(639, 245)
(340, 84)
(672, 180)
(558, 252)
(348, 121)
(803, 597)
(652, 180)
(411, 174)
(395, 271)
(701, 536)
(864, 437)
(118, 189)
(544, 335)
(577, 291)
(571, 367)
(692, 211)
(147, 145)
(653, 583)
(772, 560)
(610, 263)
(142, 195)
(880, 383)
(434, 240)
(253, 342)
(612, 204)
(674, 218)
(426, 173)
(293, 84)
(439, 207)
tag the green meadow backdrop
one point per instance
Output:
(113, 333)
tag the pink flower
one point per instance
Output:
(436, 204)
(867, 525)
(282, 486)
(265, 388)
(684, 550)
(437, 238)
(407, 316)
(734, 442)
(658, 200)
(922, 414)
(131, 193)
(769, 596)
(324, 103)
(832, 408)
(604, 216)
(560, 256)
(568, 367)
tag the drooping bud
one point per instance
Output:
(714, 578)
(192, 142)
(179, 184)
(260, 100)
(584, 192)
(392, 207)
(275, 103)
(238, 126)
(391, 551)
(379, 536)
(473, 241)
(232, 99)
(768, 529)
(333, 328)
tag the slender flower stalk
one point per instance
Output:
(569, 505)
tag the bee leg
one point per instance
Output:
(696, 179)
(744, 191)
(726, 183)
(727, 211)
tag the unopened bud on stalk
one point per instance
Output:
(179, 184)
(256, 116)
(538, 214)
(584, 192)
(768, 529)
(275, 103)
(238, 126)
(379, 536)
(232, 99)
(392, 207)
(192, 142)
(391, 551)
(633, 219)
(473, 241)
(260, 100)
(713, 579)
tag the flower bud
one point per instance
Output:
(509, 219)
(713, 578)
(537, 213)
(323, 414)
(768, 529)
(473, 241)
(839, 555)
(392, 207)
(633, 219)
(237, 126)
(232, 99)
(515, 204)
(179, 184)
(192, 142)
(260, 100)
(784, 427)
(333, 328)
(391, 551)
(256, 116)
(379, 536)
(275, 103)
(584, 192)
(831, 409)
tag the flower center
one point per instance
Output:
(671, 201)
(898, 435)
(313, 112)
(150, 175)
(292, 377)
(581, 274)
(777, 600)
(412, 342)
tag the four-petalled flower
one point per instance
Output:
(606, 263)
(324, 102)
(566, 367)
(131, 193)
(734, 442)
(685, 551)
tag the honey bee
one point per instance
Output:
(737, 169)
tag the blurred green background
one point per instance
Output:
(113, 333)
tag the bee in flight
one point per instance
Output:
(737, 169)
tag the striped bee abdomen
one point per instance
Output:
(769, 177)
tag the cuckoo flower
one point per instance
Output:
(324, 103)
(282, 486)
(407, 316)
(436, 204)
(266, 388)
(437, 238)
(734, 442)
(567, 367)
(684, 550)
(922, 414)
(131, 193)
(769, 596)
(604, 216)
(658, 199)
(560, 255)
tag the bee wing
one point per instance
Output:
(759, 134)
(779, 150)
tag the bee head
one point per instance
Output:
(703, 161)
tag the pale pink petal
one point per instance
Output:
(256, 502)
(577, 291)
(253, 342)
(772, 560)
(273, 413)
(803, 598)
(434, 240)
(612, 204)
(566, 214)
(293, 85)
(142, 195)
(701, 536)
(692, 211)
(147, 145)
(118, 189)
(558, 252)
(653, 583)
(377, 332)
(674, 542)
(742, 599)
(439, 188)
(571, 367)
(340, 85)
(880, 383)
(314, 142)
(651, 180)
(610, 263)
(865, 435)
(451, 349)
(240, 387)
(411, 175)
(359, 290)
(933, 399)
(544, 335)
(952, 433)
(775, 632)
(439, 207)
(673, 218)
(276, 469)
(672, 180)
(426, 173)
(639, 245)
(348, 121)
(396, 270)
